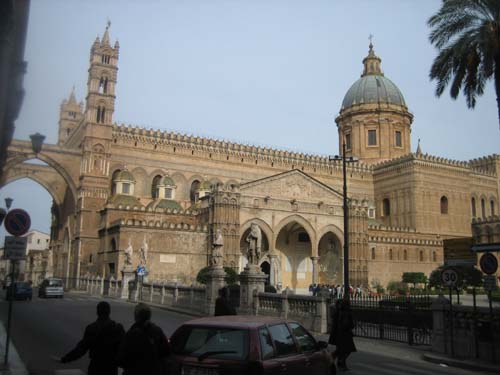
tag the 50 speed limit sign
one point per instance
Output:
(449, 277)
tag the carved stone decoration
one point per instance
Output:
(254, 240)
(217, 256)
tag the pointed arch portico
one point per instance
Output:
(304, 223)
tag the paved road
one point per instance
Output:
(45, 327)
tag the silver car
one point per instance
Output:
(51, 287)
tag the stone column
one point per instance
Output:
(315, 278)
(215, 282)
(252, 278)
(128, 274)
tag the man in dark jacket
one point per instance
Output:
(222, 304)
(102, 340)
(341, 332)
(145, 348)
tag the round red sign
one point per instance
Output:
(17, 222)
(488, 263)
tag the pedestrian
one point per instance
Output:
(101, 339)
(222, 304)
(145, 348)
(341, 333)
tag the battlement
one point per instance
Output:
(143, 224)
(244, 151)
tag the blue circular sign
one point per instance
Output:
(488, 263)
(17, 222)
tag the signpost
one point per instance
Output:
(17, 222)
(450, 278)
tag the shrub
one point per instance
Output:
(231, 276)
(397, 287)
(270, 289)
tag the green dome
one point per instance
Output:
(124, 175)
(373, 89)
(167, 180)
(165, 203)
(124, 200)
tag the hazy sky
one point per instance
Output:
(265, 72)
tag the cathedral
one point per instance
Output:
(159, 198)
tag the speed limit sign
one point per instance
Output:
(449, 277)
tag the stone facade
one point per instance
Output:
(117, 185)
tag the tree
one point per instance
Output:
(414, 278)
(230, 279)
(468, 276)
(467, 36)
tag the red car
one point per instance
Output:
(247, 345)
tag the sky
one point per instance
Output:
(261, 72)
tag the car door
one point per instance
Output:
(288, 358)
(315, 360)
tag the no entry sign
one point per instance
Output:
(17, 222)
(488, 263)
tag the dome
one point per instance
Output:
(124, 175)
(124, 200)
(167, 181)
(373, 89)
(164, 204)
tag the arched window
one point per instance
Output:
(421, 256)
(373, 253)
(112, 247)
(103, 85)
(473, 206)
(101, 111)
(492, 207)
(444, 205)
(113, 183)
(386, 207)
(405, 254)
(192, 192)
(434, 256)
(155, 190)
(390, 254)
(483, 208)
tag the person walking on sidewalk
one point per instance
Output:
(222, 304)
(341, 332)
(145, 348)
(101, 339)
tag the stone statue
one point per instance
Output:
(128, 254)
(143, 253)
(254, 240)
(217, 249)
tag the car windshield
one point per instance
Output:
(211, 342)
(55, 282)
(22, 285)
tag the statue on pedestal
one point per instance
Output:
(128, 254)
(254, 240)
(143, 253)
(217, 257)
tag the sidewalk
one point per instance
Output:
(416, 353)
(15, 365)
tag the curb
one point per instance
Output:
(466, 365)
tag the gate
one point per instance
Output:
(402, 319)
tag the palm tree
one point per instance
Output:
(467, 35)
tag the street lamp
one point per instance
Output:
(345, 160)
(37, 142)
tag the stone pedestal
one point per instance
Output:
(252, 278)
(128, 274)
(215, 281)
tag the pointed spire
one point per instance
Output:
(372, 61)
(72, 98)
(419, 150)
(105, 37)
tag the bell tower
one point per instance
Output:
(70, 116)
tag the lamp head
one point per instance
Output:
(37, 142)
(8, 202)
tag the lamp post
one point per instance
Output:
(8, 204)
(37, 142)
(345, 160)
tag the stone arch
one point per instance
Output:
(329, 250)
(20, 159)
(333, 229)
(263, 226)
(299, 220)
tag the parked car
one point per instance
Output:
(247, 345)
(21, 290)
(51, 287)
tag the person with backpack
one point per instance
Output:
(101, 339)
(145, 348)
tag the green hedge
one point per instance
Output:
(231, 275)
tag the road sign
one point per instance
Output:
(490, 283)
(15, 247)
(488, 263)
(449, 277)
(141, 271)
(17, 222)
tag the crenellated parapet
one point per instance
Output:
(170, 141)
(156, 224)
(489, 164)
(399, 235)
